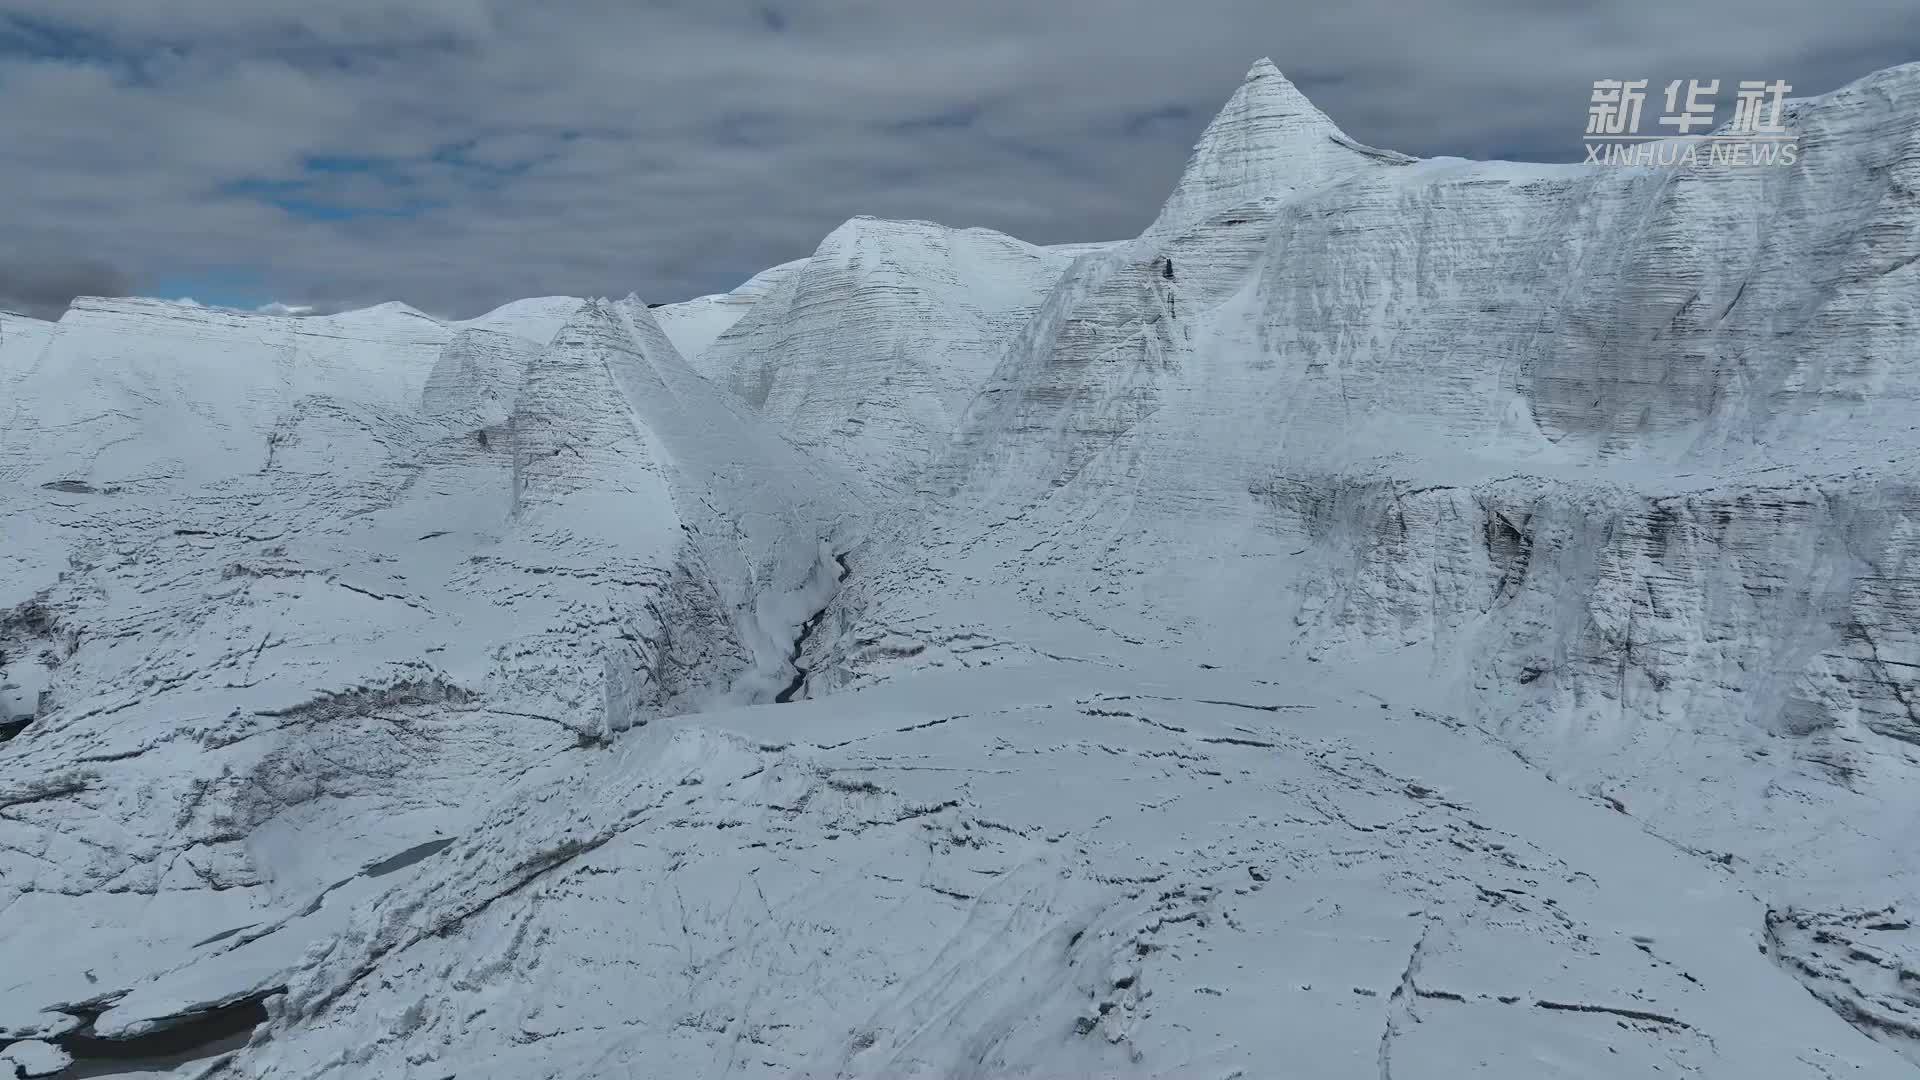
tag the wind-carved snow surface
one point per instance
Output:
(334, 626)
(1615, 463)
(1054, 871)
(867, 353)
(1393, 619)
(694, 324)
(537, 319)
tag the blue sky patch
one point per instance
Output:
(230, 287)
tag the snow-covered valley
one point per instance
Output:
(1394, 618)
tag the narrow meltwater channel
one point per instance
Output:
(800, 640)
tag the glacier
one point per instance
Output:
(1394, 618)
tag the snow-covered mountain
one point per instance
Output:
(1622, 459)
(1394, 618)
(694, 324)
(319, 588)
(868, 352)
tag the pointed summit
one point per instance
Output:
(574, 427)
(476, 377)
(1268, 140)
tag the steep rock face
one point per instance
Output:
(280, 659)
(1620, 458)
(576, 437)
(593, 497)
(1616, 462)
(476, 377)
(868, 353)
(1268, 142)
(619, 441)
(1862, 963)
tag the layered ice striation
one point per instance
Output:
(332, 626)
(693, 325)
(867, 353)
(1621, 459)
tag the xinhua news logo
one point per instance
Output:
(1755, 137)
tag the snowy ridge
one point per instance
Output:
(21, 339)
(694, 324)
(766, 518)
(345, 648)
(116, 394)
(536, 319)
(869, 352)
(1267, 143)
(1552, 465)
(1615, 462)
(476, 377)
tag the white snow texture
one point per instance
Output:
(1394, 619)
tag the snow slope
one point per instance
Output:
(868, 353)
(536, 319)
(693, 324)
(1617, 463)
(1055, 870)
(1620, 460)
(1393, 618)
(328, 629)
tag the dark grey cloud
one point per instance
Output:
(41, 286)
(460, 153)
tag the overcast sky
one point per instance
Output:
(456, 154)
